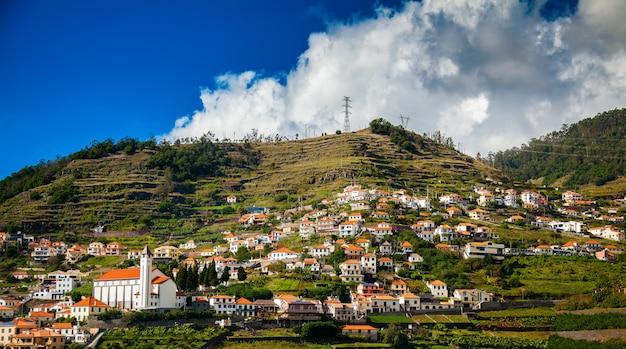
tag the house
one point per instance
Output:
(113, 249)
(222, 304)
(407, 247)
(325, 224)
(368, 263)
(88, 306)
(472, 297)
(96, 249)
(370, 288)
(381, 230)
(409, 302)
(415, 258)
(533, 199)
(37, 339)
(385, 263)
(191, 244)
(351, 271)
(438, 288)
(352, 251)
(384, 304)
(478, 214)
(342, 312)
(75, 254)
(319, 251)
(244, 308)
(482, 249)
(571, 196)
(398, 287)
(42, 253)
(282, 254)
(451, 199)
(166, 252)
(363, 242)
(385, 248)
(454, 211)
(366, 332)
(231, 199)
(349, 228)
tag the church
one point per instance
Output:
(138, 288)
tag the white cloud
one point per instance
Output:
(485, 71)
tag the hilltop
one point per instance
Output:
(133, 185)
(585, 155)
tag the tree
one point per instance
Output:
(320, 329)
(241, 274)
(212, 277)
(393, 335)
(181, 278)
(225, 275)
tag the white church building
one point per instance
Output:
(139, 288)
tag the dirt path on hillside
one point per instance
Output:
(598, 335)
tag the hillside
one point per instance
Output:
(588, 153)
(180, 186)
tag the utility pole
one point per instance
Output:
(346, 119)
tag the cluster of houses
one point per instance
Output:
(39, 330)
(367, 248)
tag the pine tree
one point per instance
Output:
(181, 278)
(241, 274)
(225, 275)
(213, 279)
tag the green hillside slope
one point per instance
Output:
(588, 152)
(152, 185)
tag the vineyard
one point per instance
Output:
(140, 337)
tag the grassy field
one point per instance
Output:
(272, 345)
(387, 319)
(521, 312)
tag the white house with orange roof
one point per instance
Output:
(245, 308)
(533, 199)
(324, 224)
(363, 242)
(282, 254)
(222, 304)
(454, 211)
(398, 287)
(422, 203)
(385, 248)
(478, 214)
(87, 307)
(369, 263)
(571, 196)
(351, 271)
(113, 249)
(409, 302)
(349, 228)
(320, 251)
(451, 199)
(384, 304)
(381, 230)
(445, 233)
(438, 288)
(407, 247)
(355, 216)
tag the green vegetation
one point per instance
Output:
(388, 319)
(590, 151)
(556, 342)
(139, 337)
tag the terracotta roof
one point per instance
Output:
(160, 279)
(90, 302)
(358, 327)
(120, 274)
(243, 301)
(438, 282)
(62, 325)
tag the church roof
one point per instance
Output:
(122, 274)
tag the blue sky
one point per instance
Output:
(491, 74)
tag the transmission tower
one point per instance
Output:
(346, 119)
(405, 121)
